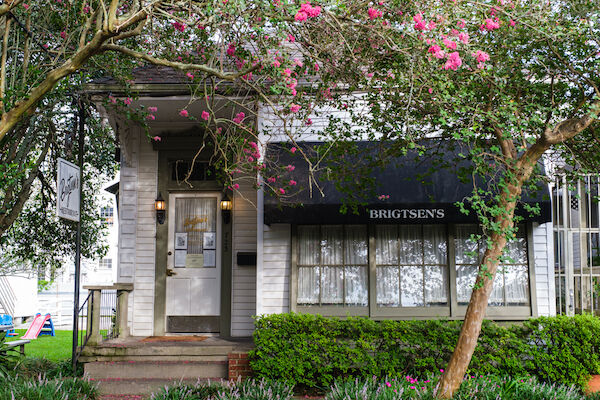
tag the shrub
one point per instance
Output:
(9, 357)
(313, 351)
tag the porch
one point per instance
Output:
(124, 365)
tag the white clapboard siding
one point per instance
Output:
(271, 126)
(137, 227)
(277, 249)
(544, 271)
(243, 305)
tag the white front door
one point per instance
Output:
(194, 255)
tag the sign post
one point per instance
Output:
(68, 190)
(68, 206)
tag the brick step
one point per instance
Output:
(144, 387)
(165, 370)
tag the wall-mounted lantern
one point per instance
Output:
(160, 205)
(226, 207)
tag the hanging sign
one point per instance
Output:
(68, 190)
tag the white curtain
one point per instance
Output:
(411, 286)
(517, 285)
(356, 291)
(356, 258)
(387, 277)
(386, 245)
(332, 277)
(195, 216)
(436, 285)
(466, 249)
(388, 287)
(309, 249)
(436, 246)
(357, 250)
(411, 245)
(465, 279)
(308, 285)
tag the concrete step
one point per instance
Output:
(143, 387)
(165, 370)
(148, 358)
(157, 351)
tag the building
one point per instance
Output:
(204, 272)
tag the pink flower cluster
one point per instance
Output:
(294, 108)
(374, 13)
(179, 26)
(436, 51)
(231, 50)
(239, 117)
(420, 24)
(481, 56)
(490, 24)
(453, 62)
(450, 44)
(307, 11)
(383, 197)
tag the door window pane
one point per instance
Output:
(195, 229)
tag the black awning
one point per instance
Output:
(420, 189)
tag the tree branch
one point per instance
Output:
(571, 127)
(227, 76)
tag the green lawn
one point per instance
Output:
(54, 348)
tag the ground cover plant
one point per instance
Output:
(311, 351)
(241, 390)
(489, 387)
(42, 388)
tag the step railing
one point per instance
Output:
(7, 297)
(104, 313)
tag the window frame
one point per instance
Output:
(452, 311)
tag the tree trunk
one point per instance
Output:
(467, 340)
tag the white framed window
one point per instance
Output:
(105, 263)
(403, 270)
(107, 215)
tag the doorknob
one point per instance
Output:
(169, 253)
(170, 272)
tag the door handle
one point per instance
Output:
(169, 253)
(170, 272)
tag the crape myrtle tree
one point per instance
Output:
(505, 81)
(50, 49)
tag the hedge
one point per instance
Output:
(313, 351)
